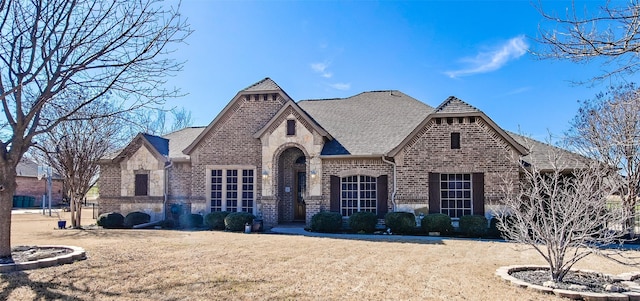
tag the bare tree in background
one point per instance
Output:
(155, 121)
(611, 34)
(73, 149)
(607, 129)
(563, 213)
(63, 55)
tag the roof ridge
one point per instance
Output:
(264, 81)
(451, 99)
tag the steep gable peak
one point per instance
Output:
(266, 84)
(455, 105)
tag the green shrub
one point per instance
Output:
(136, 218)
(235, 221)
(326, 221)
(363, 221)
(494, 227)
(400, 222)
(437, 222)
(473, 225)
(111, 220)
(215, 220)
(190, 221)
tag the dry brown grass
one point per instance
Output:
(180, 265)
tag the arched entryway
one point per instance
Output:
(292, 185)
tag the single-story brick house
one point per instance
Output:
(285, 161)
(29, 185)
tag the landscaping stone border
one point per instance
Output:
(626, 279)
(76, 254)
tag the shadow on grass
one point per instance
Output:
(43, 290)
(430, 240)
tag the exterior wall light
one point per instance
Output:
(313, 174)
(265, 174)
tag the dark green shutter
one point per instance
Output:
(334, 194)
(478, 193)
(434, 192)
(382, 195)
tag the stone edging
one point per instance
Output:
(76, 254)
(626, 279)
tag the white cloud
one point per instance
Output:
(322, 69)
(493, 60)
(341, 86)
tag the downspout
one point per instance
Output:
(393, 194)
(166, 189)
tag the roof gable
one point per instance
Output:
(288, 108)
(454, 107)
(141, 140)
(265, 86)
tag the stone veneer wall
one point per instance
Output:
(482, 150)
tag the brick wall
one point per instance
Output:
(482, 150)
(349, 167)
(231, 141)
(36, 188)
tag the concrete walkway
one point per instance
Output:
(298, 229)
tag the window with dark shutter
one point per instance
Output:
(434, 192)
(455, 140)
(291, 127)
(383, 196)
(141, 185)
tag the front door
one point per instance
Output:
(299, 206)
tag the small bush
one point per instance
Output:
(111, 220)
(400, 222)
(235, 221)
(190, 221)
(473, 225)
(437, 222)
(215, 220)
(363, 221)
(494, 227)
(327, 222)
(136, 218)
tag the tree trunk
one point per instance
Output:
(75, 214)
(8, 189)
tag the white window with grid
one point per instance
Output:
(232, 189)
(455, 194)
(358, 193)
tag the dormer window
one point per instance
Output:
(291, 127)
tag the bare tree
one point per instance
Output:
(62, 55)
(611, 34)
(73, 149)
(607, 129)
(561, 212)
(155, 121)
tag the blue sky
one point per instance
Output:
(477, 51)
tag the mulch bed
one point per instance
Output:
(575, 281)
(21, 254)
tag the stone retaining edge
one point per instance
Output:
(76, 254)
(504, 273)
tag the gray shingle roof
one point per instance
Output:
(368, 123)
(539, 154)
(180, 139)
(266, 84)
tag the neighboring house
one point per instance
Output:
(29, 185)
(284, 161)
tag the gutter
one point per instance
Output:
(393, 194)
(166, 189)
